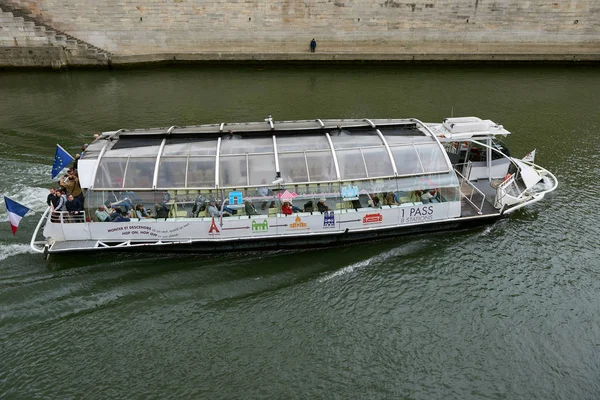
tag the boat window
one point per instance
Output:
(407, 161)
(261, 168)
(201, 172)
(183, 146)
(427, 182)
(354, 141)
(398, 135)
(233, 171)
(110, 173)
(351, 163)
(378, 162)
(293, 167)
(171, 172)
(320, 166)
(432, 158)
(140, 172)
(300, 143)
(248, 145)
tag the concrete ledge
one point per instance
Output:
(23, 57)
(352, 57)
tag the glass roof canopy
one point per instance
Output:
(207, 157)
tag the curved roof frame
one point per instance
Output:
(276, 153)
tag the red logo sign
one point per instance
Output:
(213, 227)
(373, 218)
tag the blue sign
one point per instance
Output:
(235, 198)
(328, 219)
(350, 192)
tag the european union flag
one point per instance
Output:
(61, 160)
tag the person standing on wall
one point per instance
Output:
(313, 45)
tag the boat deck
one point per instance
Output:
(485, 186)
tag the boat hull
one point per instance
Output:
(273, 243)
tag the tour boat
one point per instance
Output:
(290, 184)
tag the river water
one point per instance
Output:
(511, 310)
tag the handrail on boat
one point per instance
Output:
(469, 199)
(37, 228)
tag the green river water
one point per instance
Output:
(508, 311)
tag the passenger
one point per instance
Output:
(322, 205)
(391, 199)
(115, 213)
(431, 196)
(125, 203)
(52, 199)
(76, 161)
(121, 217)
(162, 211)
(61, 206)
(70, 183)
(288, 208)
(140, 212)
(376, 202)
(213, 211)
(308, 206)
(75, 209)
(102, 215)
(199, 205)
(250, 209)
(264, 191)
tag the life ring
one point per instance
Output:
(507, 177)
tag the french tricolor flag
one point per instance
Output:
(16, 211)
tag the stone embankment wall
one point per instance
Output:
(346, 29)
(23, 43)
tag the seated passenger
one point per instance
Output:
(288, 208)
(125, 203)
(322, 205)
(140, 212)
(376, 202)
(308, 206)
(391, 199)
(199, 205)
(431, 196)
(102, 215)
(213, 211)
(115, 213)
(162, 211)
(121, 217)
(250, 209)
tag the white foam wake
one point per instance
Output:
(376, 259)
(347, 270)
(31, 197)
(13, 250)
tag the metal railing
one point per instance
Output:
(65, 217)
(474, 190)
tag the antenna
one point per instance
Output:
(452, 112)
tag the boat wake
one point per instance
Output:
(378, 259)
(31, 197)
(10, 250)
(348, 269)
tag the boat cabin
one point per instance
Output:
(345, 164)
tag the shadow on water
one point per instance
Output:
(252, 263)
